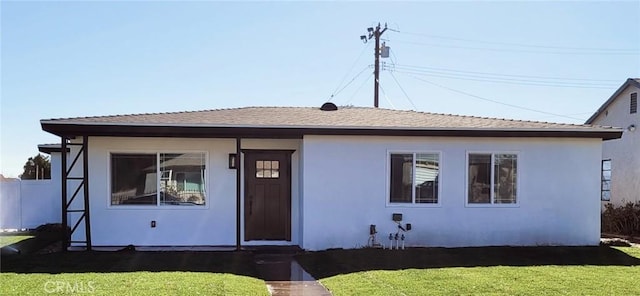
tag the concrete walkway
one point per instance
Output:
(284, 276)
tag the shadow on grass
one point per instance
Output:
(28, 246)
(31, 245)
(239, 263)
(333, 262)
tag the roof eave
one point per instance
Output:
(50, 148)
(299, 132)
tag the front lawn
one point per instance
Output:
(31, 241)
(495, 271)
(499, 280)
(6, 240)
(131, 283)
(132, 273)
(635, 252)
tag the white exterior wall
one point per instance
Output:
(56, 179)
(624, 152)
(345, 190)
(213, 224)
(340, 187)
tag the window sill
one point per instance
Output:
(515, 205)
(154, 207)
(413, 205)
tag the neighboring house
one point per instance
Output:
(319, 177)
(621, 157)
(54, 151)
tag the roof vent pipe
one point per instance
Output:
(328, 106)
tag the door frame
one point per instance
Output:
(287, 155)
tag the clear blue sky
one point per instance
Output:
(72, 59)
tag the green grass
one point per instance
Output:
(634, 252)
(6, 240)
(479, 271)
(419, 271)
(132, 273)
(498, 280)
(131, 283)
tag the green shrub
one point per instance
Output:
(623, 220)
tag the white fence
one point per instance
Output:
(29, 203)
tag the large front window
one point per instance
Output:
(492, 178)
(414, 178)
(158, 179)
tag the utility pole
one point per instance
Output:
(375, 33)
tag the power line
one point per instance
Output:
(386, 97)
(358, 89)
(493, 101)
(573, 114)
(507, 75)
(394, 58)
(520, 50)
(351, 81)
(404, 92)
(394, 62)
(636, 50)
(504, 80)
(364, 48)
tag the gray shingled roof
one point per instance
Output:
(311, 120)
(344, 117)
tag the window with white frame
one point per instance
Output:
(414, 178)
(158, 179)
(492, 178)
(605, 185)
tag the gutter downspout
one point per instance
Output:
(238, 197)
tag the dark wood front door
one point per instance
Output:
(267, 197)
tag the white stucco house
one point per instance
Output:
(318, 178)
(621, 157)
